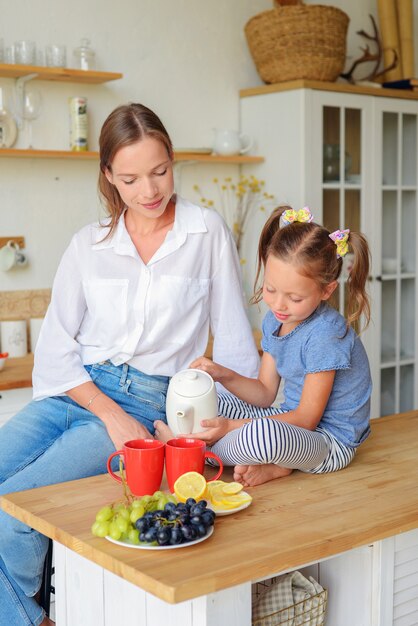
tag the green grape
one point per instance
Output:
(104, 514)
(136, 504)
(114, 530)
(136, 513)
(133, 536)
(121, 523)
(102, 529)
(171, 498)
(124, 513)
(95, 527)
(161, 502)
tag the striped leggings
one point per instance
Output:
(265, 440)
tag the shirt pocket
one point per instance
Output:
(183, 305)
(107, 310)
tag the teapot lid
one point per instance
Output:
(191, 383)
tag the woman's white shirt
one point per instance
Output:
(107, 304)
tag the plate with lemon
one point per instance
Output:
(224, 498)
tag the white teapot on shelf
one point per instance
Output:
(191, 397)
(230, 142)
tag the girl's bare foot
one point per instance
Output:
(252, 475)
(162, 431)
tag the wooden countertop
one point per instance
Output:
(17, 373)
(292, 521)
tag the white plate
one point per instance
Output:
(220, 512)
(145, 547)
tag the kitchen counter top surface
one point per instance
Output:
(292, 521)
(17, 373)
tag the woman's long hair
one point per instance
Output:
(126, 125)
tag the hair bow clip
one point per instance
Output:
(340, 238)
(303, 215)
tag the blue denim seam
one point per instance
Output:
(17, 602)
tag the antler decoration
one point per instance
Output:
(368, 57)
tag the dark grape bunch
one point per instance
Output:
(176, 523)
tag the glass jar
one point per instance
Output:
(84, 56)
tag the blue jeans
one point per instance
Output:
(53, 441)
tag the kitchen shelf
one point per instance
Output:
(60, 74)
(91, 155)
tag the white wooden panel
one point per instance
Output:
(84, 588)
(60, 584)
(160, 613)
(405, 596)
(384, 555)
(348, 578)
(229, 607)
(124, 603)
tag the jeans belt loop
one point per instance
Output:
(124, 375)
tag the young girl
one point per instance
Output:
(327, 385)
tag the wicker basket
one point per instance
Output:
(292, 42)
(309, 612)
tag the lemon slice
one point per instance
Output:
(190, 485)
(217, 496)
(232, 488)
(234, 501)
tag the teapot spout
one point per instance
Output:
(185, 419)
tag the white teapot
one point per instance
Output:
(230, 142)
(191, 397)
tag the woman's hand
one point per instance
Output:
(125, 428)
(217, 427)
(120, 426)
(218, 372)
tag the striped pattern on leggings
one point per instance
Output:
(267, 440)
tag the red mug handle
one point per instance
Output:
(109, 469)
(212, 455)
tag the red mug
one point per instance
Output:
(144, 465)
(187, 455)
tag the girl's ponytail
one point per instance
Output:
(358, 300)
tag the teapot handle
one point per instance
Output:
(248, 143)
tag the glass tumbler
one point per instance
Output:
(25, 52)
(56, 55)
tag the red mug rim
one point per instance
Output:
(143, 444)
(186, 443)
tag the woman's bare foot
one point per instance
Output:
(252, 475)
(162, 431)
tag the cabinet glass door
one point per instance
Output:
(341, 178)
(398, 188)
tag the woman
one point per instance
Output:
(132, 303)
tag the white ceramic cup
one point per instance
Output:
(11, 256)
(14, 338)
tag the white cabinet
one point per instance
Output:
(351, 155)
(11, 401)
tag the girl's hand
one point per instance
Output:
(218, 372)
(217, 427)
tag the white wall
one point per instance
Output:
(187, 59)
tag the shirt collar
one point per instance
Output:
(188, 219)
